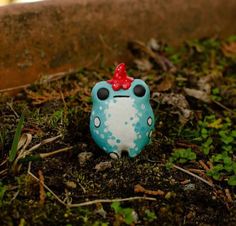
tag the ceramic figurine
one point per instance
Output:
(122, 118)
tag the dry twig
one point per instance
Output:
(193, 175)
(49, 154)
(3, 173)
(204, 166)
(140, 189)
(228, 195)
(42, 194)
(88, 202)
(49, 95)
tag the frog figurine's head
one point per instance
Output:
(122, 118)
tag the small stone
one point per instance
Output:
(103, 166)
(134, 216)
(71, 184)
(84, 157)
(189, 187)
(170, 195)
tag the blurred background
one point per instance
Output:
(6, 2)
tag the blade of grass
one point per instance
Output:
(13, 151)
(2, 192)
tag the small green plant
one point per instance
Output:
(2, 137)
(150, 216)
(232, 38)
(217, 137)
(98, 223)
(2, 192)
(125, 213)
(224, 167)
(215, 94)
(57, 117)
(182, 155)
(13, 151)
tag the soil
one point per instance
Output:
(62, 107)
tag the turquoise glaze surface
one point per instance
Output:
(121, 119)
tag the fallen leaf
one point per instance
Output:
(139, 49)
(166, 84)
(198, 94)
(204, 84)
(178, 102)
(153, 44)
(143, 64)
(99, 210)
(229, 49)
(103, 166)
(140, 189)
(84, 157)
(229, 94)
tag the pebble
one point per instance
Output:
(103, 166)
(189, 187)
(71, 184)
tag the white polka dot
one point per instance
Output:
(97, 122)
(100, 108)
(149, 121)
(142, 106)
(102, 136)
(96, 131)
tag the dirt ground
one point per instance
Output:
(186, 176)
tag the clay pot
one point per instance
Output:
(57, 36)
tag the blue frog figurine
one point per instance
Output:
(122, 118)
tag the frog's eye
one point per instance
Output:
(103, 94)
(139, 90)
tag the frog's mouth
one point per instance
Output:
(119, 96)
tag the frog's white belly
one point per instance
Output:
(121, 118)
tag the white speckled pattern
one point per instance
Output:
(120, 119)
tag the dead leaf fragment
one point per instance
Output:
(84, 157)
(166, 84)
(228, 195)
(229, 49)
(178, 102)
(143, 64)
(140, 189)
(153, 44)
(49, 94)
(103, 166)
(99, 210)
(143, 51)
(198, 94)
